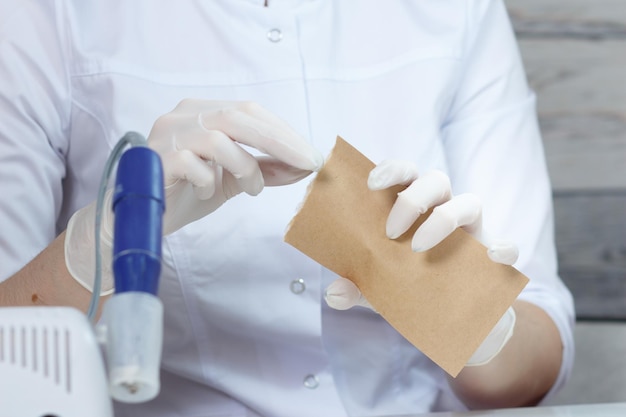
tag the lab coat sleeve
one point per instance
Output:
(34, 97)
(494, 150)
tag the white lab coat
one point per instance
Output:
(438, 82)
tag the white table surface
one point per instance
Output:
(580, 410)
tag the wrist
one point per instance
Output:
(79, 246)
(495, 340)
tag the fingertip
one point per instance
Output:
(391, 172)
(504, 253)
(235, 183)
(337, 303)
(374, 182)
(318, 160)
(379, 177)
(418, 249)
(418, 245)
(342, 294)
(392, 229)
(255, 185)
(205, 192)
(401, 217)
(433, 231)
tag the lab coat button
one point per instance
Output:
(297, 286)
(311, 381)
(275, 35)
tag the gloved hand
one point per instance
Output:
(431, 190)
(204, 164)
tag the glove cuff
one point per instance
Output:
(495, 341)
(79, 244)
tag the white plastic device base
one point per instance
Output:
(50, 364)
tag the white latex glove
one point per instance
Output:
(206, 148)
(431, 190)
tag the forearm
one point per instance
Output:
(45, 281)
(523, 372)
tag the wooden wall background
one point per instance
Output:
(575, 57)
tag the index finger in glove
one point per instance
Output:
(250, 124)
(276, 172)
